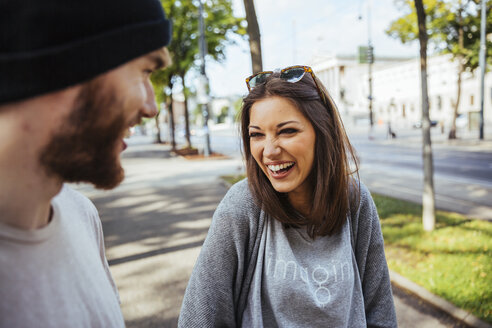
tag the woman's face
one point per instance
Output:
(282, 143)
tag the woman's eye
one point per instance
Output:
(288, 131)
(255, 134)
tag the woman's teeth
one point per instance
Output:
(279, 167)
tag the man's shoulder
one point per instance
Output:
(68, 194)
(70, 199)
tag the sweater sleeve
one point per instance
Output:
(371, 261)
(215, 289)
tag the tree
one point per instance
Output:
(254, 36)
(428, 197)
(453, 27)
(163, 80)
(219, 24)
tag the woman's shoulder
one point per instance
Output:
(359, 192)
(238, 199)
(239, 190)
(361, 202)
(363, 211)
(238, 213)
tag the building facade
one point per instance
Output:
(397, 92)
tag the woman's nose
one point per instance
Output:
(271, 149)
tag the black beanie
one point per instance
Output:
(47, 45)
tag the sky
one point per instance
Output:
(293, 32)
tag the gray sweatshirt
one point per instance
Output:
(254, 272)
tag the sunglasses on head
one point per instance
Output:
(290, 74)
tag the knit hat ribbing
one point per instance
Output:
(52, 44)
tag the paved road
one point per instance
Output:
(155, 224)
(462, 174)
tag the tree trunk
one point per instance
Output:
(171, 117)
(452, 131)
(254, 36)
(456, 104)
(428, 196)
(186, 112)
(157, 125)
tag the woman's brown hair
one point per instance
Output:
(331, 174)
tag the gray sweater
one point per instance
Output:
(253, 272)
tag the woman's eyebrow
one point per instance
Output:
(278, 125)
(285, 123)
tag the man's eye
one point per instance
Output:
(255, 134)
(288, 131)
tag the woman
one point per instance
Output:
(298, 243)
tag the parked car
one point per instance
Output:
(418, 124)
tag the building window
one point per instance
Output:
(472, 100)
(403, 111)
(439, 102)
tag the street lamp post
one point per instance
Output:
(370, 60)
(366, 56)
(204, 82)
(482, 63)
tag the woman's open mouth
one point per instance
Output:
(279, 171)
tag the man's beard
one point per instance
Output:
(86, 147)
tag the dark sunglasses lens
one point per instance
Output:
(293, 75)
(258, 79)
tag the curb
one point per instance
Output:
(436, 301)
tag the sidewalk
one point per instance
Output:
(155, 224)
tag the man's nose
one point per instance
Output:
(150, 106)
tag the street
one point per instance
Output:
(462, 178)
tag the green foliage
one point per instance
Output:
(233, 178)
(454, 261)
(160, 80)
(443, 25)
(224, 111)
(220, 23)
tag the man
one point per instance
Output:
(74, 77)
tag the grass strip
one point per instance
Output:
(454, 261)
